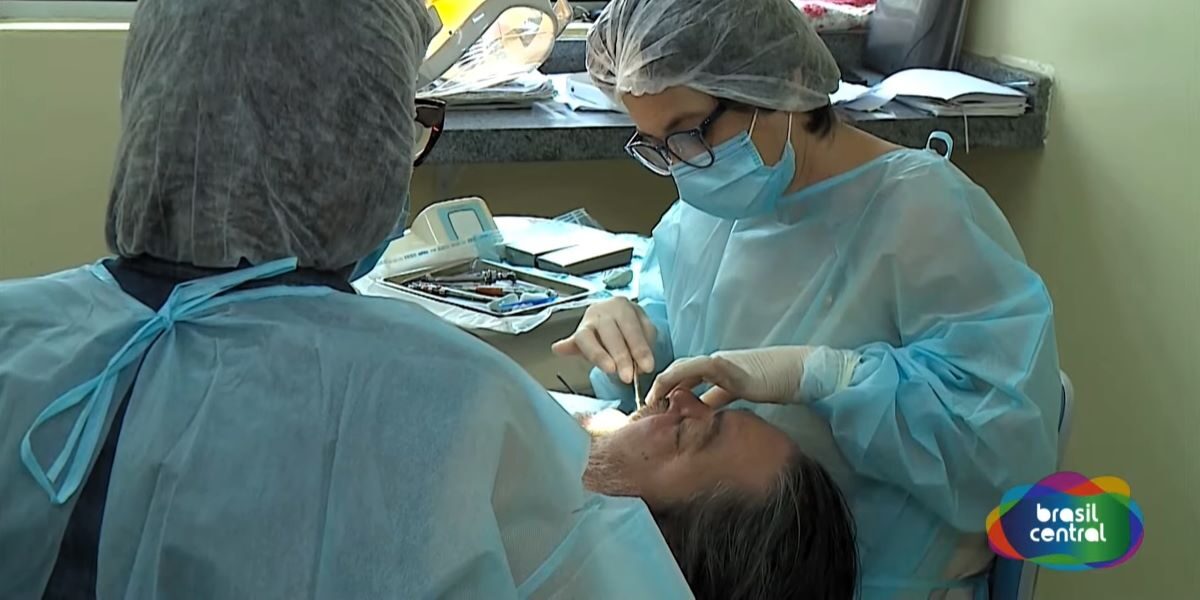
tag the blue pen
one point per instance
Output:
(525, 304)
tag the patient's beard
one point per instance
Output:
(606, 471)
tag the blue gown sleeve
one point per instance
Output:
(652, 300)
(965, 406)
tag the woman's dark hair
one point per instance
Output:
(797, 541)
(820, 121)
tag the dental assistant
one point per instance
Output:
(814, 269)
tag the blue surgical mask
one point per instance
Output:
(738, 184)
(365, 265)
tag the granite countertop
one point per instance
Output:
(550, 131)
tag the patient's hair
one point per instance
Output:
(797, 541)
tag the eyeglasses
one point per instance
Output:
(688, 147)
(430, 118)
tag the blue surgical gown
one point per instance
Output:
(954, 394)
(307, 445)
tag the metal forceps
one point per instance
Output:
(637, 392)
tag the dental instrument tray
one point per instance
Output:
(491, 288)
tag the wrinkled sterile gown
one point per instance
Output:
(953, 394)
(300, 442)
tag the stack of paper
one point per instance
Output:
(587, 257)
(578, 93)
(939, 93)
(522, 92)
(576, 31)
(950, 93)
(565, 248)
(858, 97)
(525, 250)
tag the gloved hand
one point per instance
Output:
(770, 375)
(616, 336)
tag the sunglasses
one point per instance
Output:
(430, 119)
(688, 147)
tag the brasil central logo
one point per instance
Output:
(1068, 522)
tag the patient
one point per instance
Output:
(745, 512)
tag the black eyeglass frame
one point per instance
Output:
(668, 155)
(430, 113)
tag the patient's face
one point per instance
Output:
(670, 452)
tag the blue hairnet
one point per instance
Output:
(261, 130)
(759, 52)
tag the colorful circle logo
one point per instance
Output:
(1068, 522)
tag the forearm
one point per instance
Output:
(954, 434)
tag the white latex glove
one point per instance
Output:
(616, 336)
(770, 375)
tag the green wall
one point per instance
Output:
(1109, 214)
(58, 132)
(58, 129)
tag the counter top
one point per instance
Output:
(550, 131)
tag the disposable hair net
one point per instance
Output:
(758, 52)
(261, 130)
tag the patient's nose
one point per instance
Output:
(685, 404)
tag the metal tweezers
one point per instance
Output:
(485, 276)
(637, 393)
